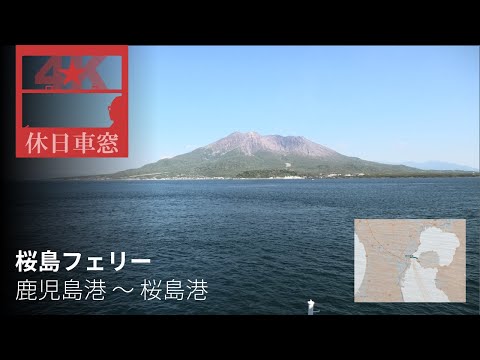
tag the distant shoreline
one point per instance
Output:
(139, 178)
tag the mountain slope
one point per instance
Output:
(241, 153)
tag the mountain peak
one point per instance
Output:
(251, 142)
(244, 134)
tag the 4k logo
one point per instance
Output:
(72, 101)
(75, 73)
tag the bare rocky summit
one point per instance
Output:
(251, 143)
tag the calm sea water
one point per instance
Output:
(262, 246)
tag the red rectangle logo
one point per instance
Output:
(71, 101)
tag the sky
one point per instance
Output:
(379, 103)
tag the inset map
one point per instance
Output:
(412, 260)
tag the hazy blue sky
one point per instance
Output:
(388, 104)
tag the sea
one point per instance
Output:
(220, 246)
